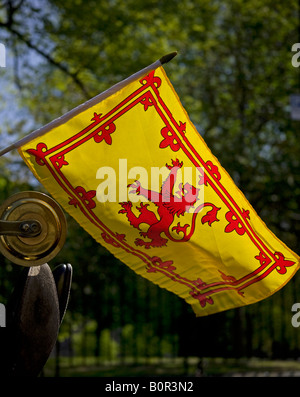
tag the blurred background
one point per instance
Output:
(235, 77)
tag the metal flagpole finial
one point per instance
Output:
(167, 58)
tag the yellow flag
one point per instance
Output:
(135, 174)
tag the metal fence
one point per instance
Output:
(132, 321)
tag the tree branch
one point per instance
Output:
(8, 25)
(52, 61)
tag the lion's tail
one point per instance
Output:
(186, 236)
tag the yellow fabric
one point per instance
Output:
(214, 252)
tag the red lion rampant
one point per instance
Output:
(168, 205)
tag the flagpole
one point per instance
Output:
(91, 102)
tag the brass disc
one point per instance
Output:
(33, 251)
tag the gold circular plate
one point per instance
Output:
(33, 251)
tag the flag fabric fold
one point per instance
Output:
(135, 174)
